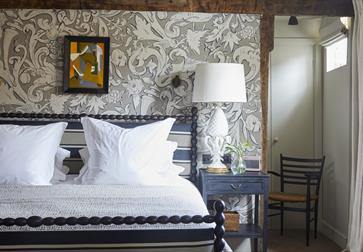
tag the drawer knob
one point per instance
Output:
(236, 186)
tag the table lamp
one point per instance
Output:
(218, 83)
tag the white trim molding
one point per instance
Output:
(333, 234)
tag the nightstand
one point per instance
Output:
(249, 183)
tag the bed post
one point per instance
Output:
(219, 242)
(193, 172)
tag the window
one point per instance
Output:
(336, 54)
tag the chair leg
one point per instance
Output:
(316, 220)
(282, 218)
(255, 244)
(307, 220)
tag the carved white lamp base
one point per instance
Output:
(216, 133)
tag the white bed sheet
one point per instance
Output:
(65, 200)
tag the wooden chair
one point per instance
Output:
(298, 171)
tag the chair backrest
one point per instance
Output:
(293, 170)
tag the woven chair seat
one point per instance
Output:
(290, 197)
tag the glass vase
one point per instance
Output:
(238, 165)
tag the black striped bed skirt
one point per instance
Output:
(127, 240)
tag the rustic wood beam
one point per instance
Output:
(309, 7)
(215, 6)
(40, 4)
(271, 7)
(139, 5)
(231, 6)
(267, 44)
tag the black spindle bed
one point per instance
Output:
(184, 130)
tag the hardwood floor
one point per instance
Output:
(292, 241)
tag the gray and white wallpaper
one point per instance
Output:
(148, 49)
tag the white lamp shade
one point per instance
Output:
(219, 82)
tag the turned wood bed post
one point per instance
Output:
(219, 242)
(194, 148)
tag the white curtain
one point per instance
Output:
(355, 234)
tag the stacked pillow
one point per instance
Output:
(117, 155)
(60, 170)
(27, 153)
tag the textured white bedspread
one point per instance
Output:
(65, 200)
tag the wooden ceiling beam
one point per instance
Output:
(309, 7)
(211, 6)
(138, 5)
(270, 7)
(40, 4)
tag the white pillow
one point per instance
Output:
(84, 156)
(163, 160)
(60, 170)
(27, 153)
(161, 163)
(122, 156)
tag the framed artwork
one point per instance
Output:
(86, 64)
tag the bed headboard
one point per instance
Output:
(184, 132)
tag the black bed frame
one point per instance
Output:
(108, 236)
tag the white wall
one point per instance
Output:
(337, 135)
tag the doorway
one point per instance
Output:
(309, 113)
(295, 99)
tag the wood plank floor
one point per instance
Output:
(292, 241)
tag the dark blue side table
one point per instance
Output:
(249, 183)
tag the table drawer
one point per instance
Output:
(235, 187)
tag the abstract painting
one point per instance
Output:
(86, 64)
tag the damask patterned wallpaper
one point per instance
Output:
(147, 50)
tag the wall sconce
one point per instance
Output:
(176, 81)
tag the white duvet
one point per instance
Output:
(67, 200)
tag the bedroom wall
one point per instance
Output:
(337, 137)
(147, 50)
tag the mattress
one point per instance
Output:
(72, 200)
